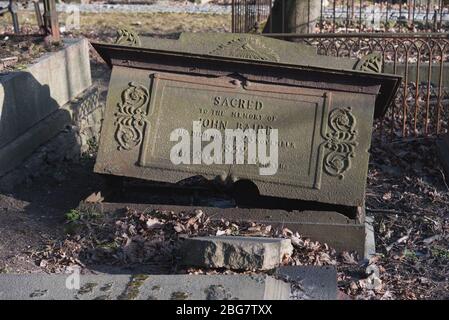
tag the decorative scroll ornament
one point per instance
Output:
(370, 63)
(131, 117)
(340, 142)
(128, 38)
(246, 48)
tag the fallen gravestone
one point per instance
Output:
(142, 287)
(237, 253)
(165, 94)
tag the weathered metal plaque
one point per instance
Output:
(323, 119)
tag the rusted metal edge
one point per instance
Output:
(189, 63)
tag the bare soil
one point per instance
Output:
(16, 52)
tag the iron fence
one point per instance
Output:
(421, 107)
(285, 16)
(47, 21)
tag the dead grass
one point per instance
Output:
(101, 25)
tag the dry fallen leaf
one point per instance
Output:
(94, 198)
(287, 232)
(387, 196)
(220, 232)
(153, 223)
(178, 227)
(348, 258)
(43, 263)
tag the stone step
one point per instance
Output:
(235, 252)
(288, 283)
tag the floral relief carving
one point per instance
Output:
(131, 117)
(341, 142)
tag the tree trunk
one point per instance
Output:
(294, 16)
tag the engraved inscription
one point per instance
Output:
(340, 142)
(247, 48)
(178, 101)
(131, 117)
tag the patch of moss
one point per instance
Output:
(73, 215)
(132, 290)
(107, 287)
(4, 270)
(410, 255)
(38, 293)
(440, 252)
(179, 295)
(87, 288)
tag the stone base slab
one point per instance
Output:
(31, 101)
(443, 153)
(29, 96)
(370, 244)
(63, 135)
(17, 151)
(142, 287)
(338, 231)
(313, 282)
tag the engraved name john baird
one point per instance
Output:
(223, 124)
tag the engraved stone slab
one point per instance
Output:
(223, 105)
(323, 117)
